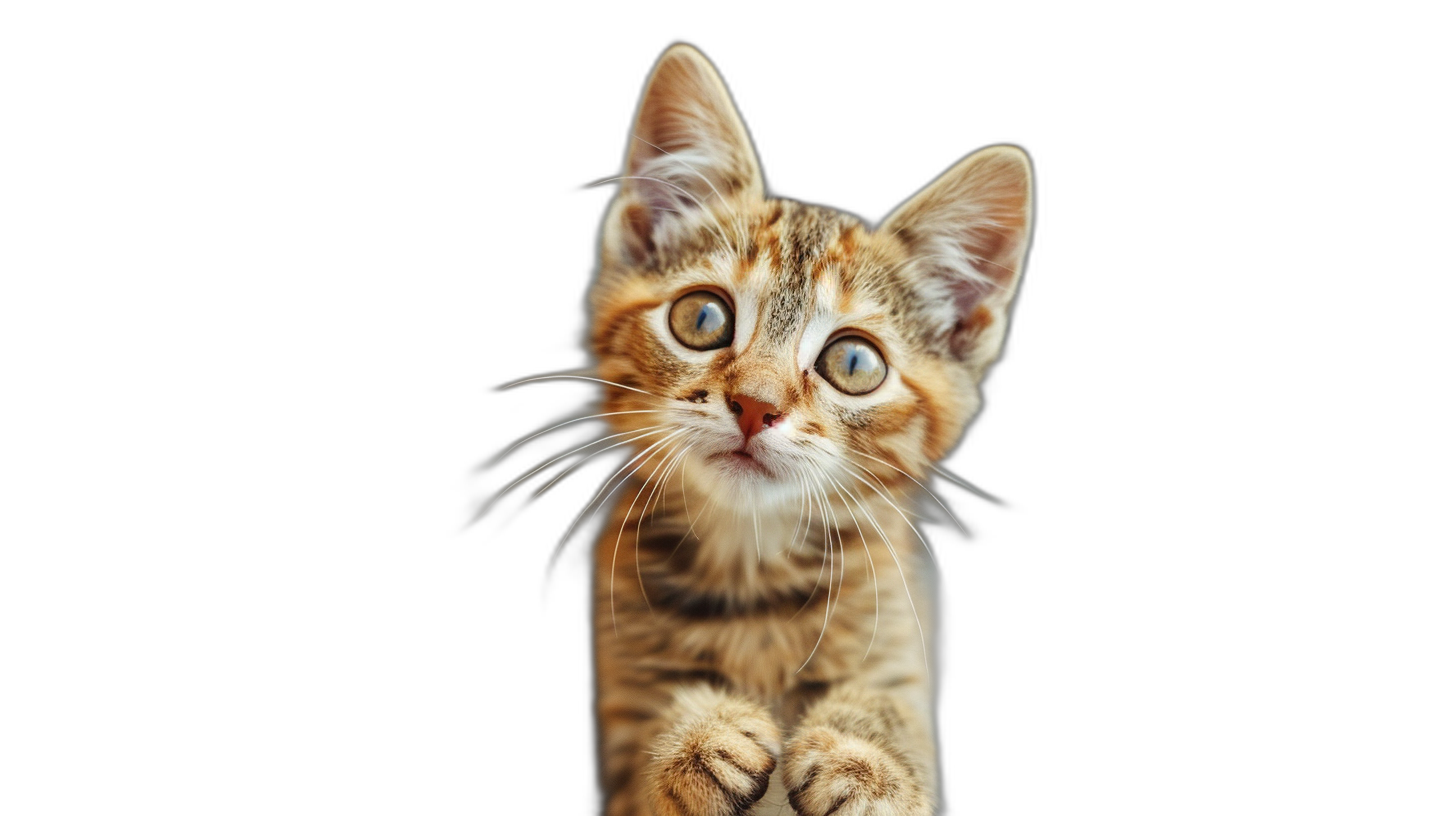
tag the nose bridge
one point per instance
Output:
(765, 374)
(767, 369)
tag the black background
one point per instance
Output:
(1079, 624)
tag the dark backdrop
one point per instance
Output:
(457, 168)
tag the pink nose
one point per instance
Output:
(753, 415)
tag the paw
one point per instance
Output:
(713, 764)
(828, 772)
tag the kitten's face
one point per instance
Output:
(780, 351)
(771, 348)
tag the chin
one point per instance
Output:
(745, 484)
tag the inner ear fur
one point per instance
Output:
(968, 232)
(687, 156)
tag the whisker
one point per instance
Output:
(819, 579)
(809, 518)
(572, 419)
(711, 503)
(883, 495)
(685, 166)
(596, 501)
(829, 601)
(612, 572)
(896, 508)
(869, 558)
(931, 493)
(575, 466)
(838, 537)
(489, 503)
(890, 491)
(682, 484)
(707, 212)
(835, 532)
(655, 495)
(802, 493)
(756, 545)
(650, 481)
(674, 465)
(909, 596)
(965, 484)
(514, 383)
(885, 487)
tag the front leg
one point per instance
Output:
(700, 752)
(861, 752)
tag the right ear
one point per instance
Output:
(688, 155)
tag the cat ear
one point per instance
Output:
(688, 155)
(968, 232)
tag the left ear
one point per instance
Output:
(968, 232)
(689, 155)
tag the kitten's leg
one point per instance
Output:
(862, 751)
(712, 756)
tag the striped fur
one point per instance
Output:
(762, 627)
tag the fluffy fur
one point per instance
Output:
(762, 612)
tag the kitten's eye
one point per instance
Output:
(702, 321)
(852, 365)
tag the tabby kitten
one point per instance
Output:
(787, 377)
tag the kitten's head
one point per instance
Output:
(774, 345)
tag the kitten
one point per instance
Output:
(787, 377)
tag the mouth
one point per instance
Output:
(740, 461)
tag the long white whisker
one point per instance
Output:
(612, 573)
(583, 370)
(597, 500)
(523, 440)
(485, 508)
(637, 534)
(808, 519)
(662, 486)
(830, 600)
(869, 558)
(682, 484)
(793, 536)
(707, 213)
(690, 196)
(967, 485)
(927, 490)
(685, 166)
(819, 579)
(514, 383)
(909, 596)
(690, 531)
(895, 507)
(836, 533)
(574, 467)
(756, 545)
(881, 482)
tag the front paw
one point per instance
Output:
(829, 772)
(713, 764)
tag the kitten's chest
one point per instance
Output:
(779, 611)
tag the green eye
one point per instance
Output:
(702, 321)
(852, 365)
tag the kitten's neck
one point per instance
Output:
(744, 554)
